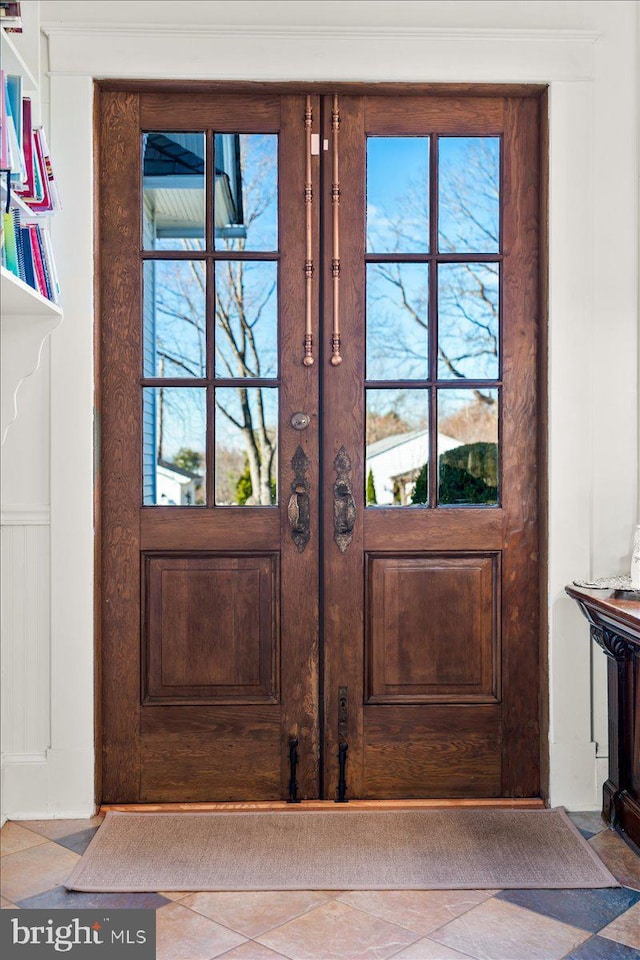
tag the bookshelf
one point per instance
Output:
(27, 316)
(14, 62)
(21, 300)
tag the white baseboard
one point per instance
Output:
(573, 776)
(51, 786)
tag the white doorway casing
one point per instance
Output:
(588, 53)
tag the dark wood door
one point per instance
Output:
(387, 490)
(209, 609)
(431, 610)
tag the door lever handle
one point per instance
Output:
(344, 505)
(299, 508)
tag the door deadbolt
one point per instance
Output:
(300, 421)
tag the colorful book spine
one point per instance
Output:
(37, 261)
(27, 145)
(48, 169)
(45, 264)
(29, 275)
(10, 249)
(51, 263)
(14, 103)
(15, 216)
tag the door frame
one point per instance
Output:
(405, 90)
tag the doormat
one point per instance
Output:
(338, 850)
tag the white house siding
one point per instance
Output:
(403, 457)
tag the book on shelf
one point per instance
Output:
(10, 17)
(27, 253)
(29, 192)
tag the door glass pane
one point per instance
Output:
(397, 448)
(245, 203)
(469, 194)
(174, 318)
(468, 447)
(173, 207)
(174, 442)
(246, 459)
(468, 321)
(397, 316)
(398, 194)
(246, 318)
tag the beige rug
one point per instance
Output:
(338, 850)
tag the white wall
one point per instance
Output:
(588, 53)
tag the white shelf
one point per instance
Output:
(21, 300)
(16, 201)
(13, 63)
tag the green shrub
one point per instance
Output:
(372, 499)
(469, 474)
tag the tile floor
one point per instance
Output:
(37, 855)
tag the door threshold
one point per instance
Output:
(527, 803)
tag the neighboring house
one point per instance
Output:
(396, 461)
(176, 486)
(173, 175)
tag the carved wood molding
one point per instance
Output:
(614, 646)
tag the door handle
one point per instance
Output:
(308, 263)
(344, 505)
(299, 509)
(336, 340)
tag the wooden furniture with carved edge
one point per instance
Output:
(614, 618)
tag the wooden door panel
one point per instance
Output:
(432, 628)
(343, 661)
(520, 438)
(468, 529)
(387, 116)
(118, 347)
(426, 752)
(231, 753)
(188, 111)
(299, 393)
(212, 629)
(164, 528)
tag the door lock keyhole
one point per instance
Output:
(300, 421)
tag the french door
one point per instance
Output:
(318, 489)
